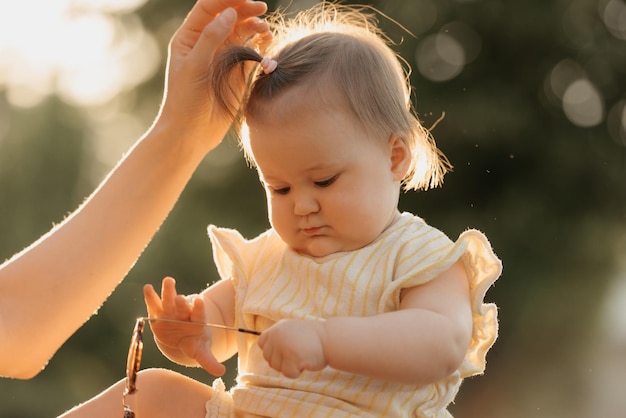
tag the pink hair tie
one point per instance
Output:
(268, 65)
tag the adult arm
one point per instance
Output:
(51, 288)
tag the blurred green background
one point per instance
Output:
(534, 95)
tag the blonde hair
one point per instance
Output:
(341, 49)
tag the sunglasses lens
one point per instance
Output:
(134, 359)
(128, 413)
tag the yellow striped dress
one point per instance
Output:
(273, 282)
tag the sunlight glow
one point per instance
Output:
(86, 51)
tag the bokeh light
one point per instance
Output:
(85, 51)
(440, 57)
(582, 103)
(466, 36)
(558, 80)
(616, 120)
(614, 16)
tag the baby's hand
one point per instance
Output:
(294, 345)
(187, 344)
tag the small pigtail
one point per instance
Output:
(231, 79)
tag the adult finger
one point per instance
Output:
(249, 31)
(217, 32)
(205, 12)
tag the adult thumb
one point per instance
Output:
(216, 32)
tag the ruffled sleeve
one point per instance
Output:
(483, 268)
(235, 256)
(431, 254)
(228, 248)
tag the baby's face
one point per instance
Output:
(330, 185)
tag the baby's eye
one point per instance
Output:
(327, 182)
(282, 190)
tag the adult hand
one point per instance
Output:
(188, 344)
(210, 26)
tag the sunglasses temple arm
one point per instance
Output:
(243, 330)
(249, 331)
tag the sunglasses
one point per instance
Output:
(136, 350)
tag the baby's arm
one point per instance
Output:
(189, 344)
(423, 342)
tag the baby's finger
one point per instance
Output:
(198, 312)
(208, 362)
(168, 295)
(152, 299)
(291, 370)
(262, 340)
(183, 308)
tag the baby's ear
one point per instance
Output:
(400, 157)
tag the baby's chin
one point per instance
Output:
(319, 247)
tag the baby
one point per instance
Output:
(364, 311)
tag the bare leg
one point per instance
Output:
(160, 393)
